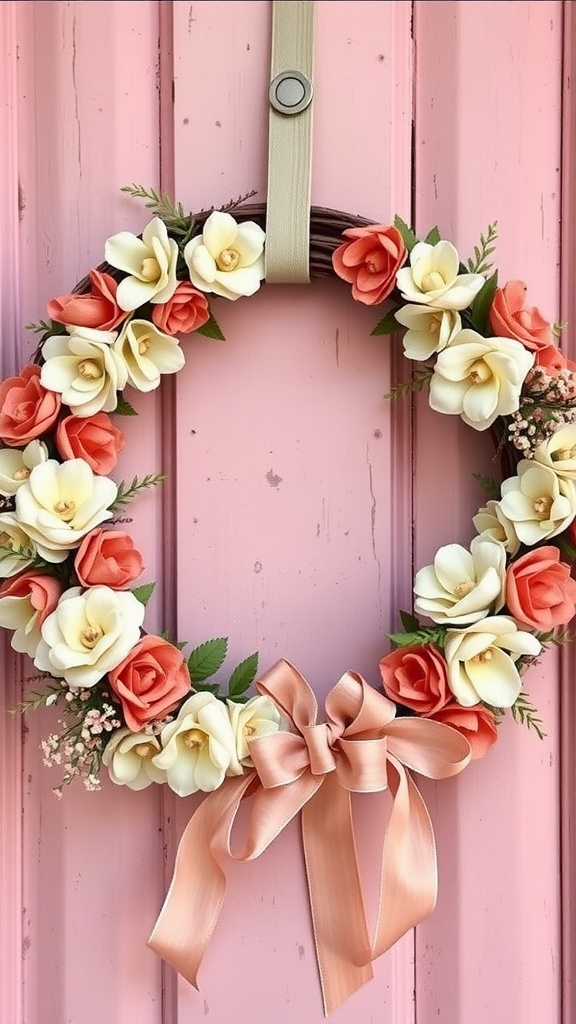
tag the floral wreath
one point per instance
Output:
(147, 711)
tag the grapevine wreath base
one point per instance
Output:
(143, 709)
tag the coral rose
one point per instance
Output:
(27, 408)
(94, 439)
(539, 590)
(370, 261)
(510, 319)
(477, 725)
(24, 604)
(108, 558)
(97, 309)
(550, 359)
(185, 312)
(150, 682)
(416, 677)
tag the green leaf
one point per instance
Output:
(418, 637)
(409, 621)
(243, 675)
(206, 659)
(524, 712)
(128, 491)
(490, 487)
(388, 324)
(480, 309)
(433, 236)
(418, 382)
(405, 639)
(211, 329)
(123, 407)
(408, 236)
(144, 592)
(207, 687)
(481, 264)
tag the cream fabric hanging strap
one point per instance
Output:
(290, 143)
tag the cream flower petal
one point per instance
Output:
(495, 681)
(558, 452)
(244, 281)
(219, 232)
(201, 265)
(480, 403)
(452, 564)
(446, 396)
(249, 243)
(126, 252)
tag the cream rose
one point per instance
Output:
(227, 258)
(17, 549)
(88, 634)
(84, 368)
(491, 523)
(481, 661)
(198, 746)
(433, 278)
(128, 758)
(479, 378)
(559, 452)
(60, 503)
(429, 330)
(15, 465)
(147, 353)
(259, 716)
(150, 263)
(462, 586)
(538, 502)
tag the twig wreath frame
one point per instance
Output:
(149, 713)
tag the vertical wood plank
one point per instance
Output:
(487, 147)
(286, 457)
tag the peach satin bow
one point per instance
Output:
(361, 748)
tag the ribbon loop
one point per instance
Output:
(317, 739)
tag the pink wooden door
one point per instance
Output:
(286, 521)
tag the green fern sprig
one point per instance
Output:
(161, 205)
(481, 263)
(524, 712)
(126, 492)
(418, 382)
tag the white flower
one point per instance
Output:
(227, 258)
(429, 330)
(559, 452)
(479, 378)
(462, 586)
(259, 716)
(60, 503)
(88, 634)
(149, 261)
(479, 669)
(84, 368)
(433, 278)
(147, 353)
(128, 758)
(17, 550)
(491, 522)
(198, 746)
(15, 465)
(24, 604)
(538, 502)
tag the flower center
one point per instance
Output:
(249, 731)
(228, 259)
(5, 540)
(89, 369)
(563, 454)
(144, 749)
(432, 281)
(483, 657)
(22, 474)
(149, 270)
(434, 325)
(195, 738)
(143, 346)
(90, 637)
(479, 373)
(65, 510)
(464, 588)
(542, 505)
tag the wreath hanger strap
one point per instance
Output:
(290, 143)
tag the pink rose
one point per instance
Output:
(416, 677)
(540, 592)
(42, 591)
(186, 311)
(27, 408)
(509, 318)
(150, 682)
(370, 261)
(94, 439)
(98, 309)
(477, 724)
(108, 558)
